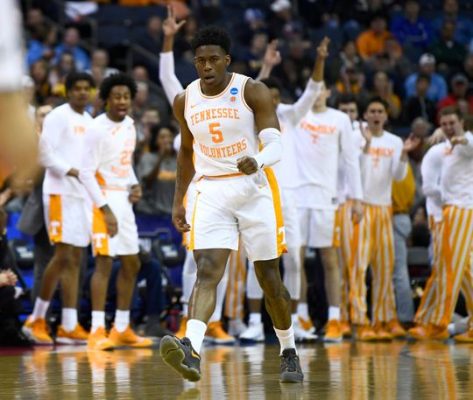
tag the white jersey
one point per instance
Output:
(61, 148)
(11, 44)
(431, 171)
(323, 140)
(457, 175)
(380, 167)
(286, 170)
(223, 127)
(107, 162)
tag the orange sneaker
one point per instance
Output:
(438, 333)
(37, 331)
(181, 332)
(395, 329)
(216, 334)
(466, 337)
(306, 324)
(99, 340)
(346, 329)
(419, 332)
(77, 336)
(382, 334)
(333, 331)
(365, 333)
(128, 338)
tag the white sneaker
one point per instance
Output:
(254, 333)
(236, 327)
(301, 335)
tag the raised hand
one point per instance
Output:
(272, 56)
(411, 143)
(365, 132)
(322, 49)
(458, 140)
(436, 137)
(170, 25)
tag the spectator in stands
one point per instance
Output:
(39, 72)
(383, 87)
(253, 22)
(347, 57)
(463, 25)
(459, 92)
(141, 100)
(412, 31)
(352, 81)
(99, 68)
(282, 24)
(420, 105)
(448, 52)
(468, 69)
(255, 53)
(34, 19)
(157, 172)
(140, 73)
(182, 48)
(372, 41)
(151, 38)
(58, 74)
(151, 117)
(438, 87)
(70, 44)
(41, 45)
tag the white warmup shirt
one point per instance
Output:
(457, 175)
(286, 170)
(431, 171)
(380, 167)
(323, 141)
(167, 76)
(61, 148)
(107, 162)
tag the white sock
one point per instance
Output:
(195, 331)
(333, 313)
(69, 319)
(255, 318)
(40, 309)
(286, 338)
(294, 319)
(122, 320)
(185, 309)
(98, 320)
(303, 311)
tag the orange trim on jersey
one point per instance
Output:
(100, 238)
(55, 218)
(337, 228)
(281, 237)
(192, 235)
(100, 179)
(243, 95)
(222, 176)
(217, 95)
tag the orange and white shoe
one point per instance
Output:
(438, 333)
(346, 329)
(77, 336)
(99, 340)
(382, 334)
(466, 337)
(216, 334)
(333, 331)
(37, 331)
(419, 332)
(306, 324)
(128, 338)
(365, 333)
(181, 332)
(395, 329)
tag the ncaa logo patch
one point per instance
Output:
(233, 91)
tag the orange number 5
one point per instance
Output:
(217, 135)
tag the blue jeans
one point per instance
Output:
(404, 302)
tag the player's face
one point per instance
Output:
(376, 115)
(351, 109)
(450, 124)
(119, 102)
(79, 94)
(211, 64)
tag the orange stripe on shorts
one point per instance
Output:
(55, 218)
(100, 238)
(281, 237)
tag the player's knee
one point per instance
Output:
(65, 259)
(131, 267)
(269, 279)
(208, 271)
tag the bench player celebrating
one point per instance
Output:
(107, 173)
(222, 116)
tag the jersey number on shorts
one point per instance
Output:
(217, 135)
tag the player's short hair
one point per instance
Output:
(119, 79)
(212, 36)
(272, 83)
(377, 99)
(451, 110)
(346, 98)
(74, 77)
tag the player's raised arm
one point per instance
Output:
(259, 99)
(185, 166)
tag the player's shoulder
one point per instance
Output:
(339, 115)
(58, 114)
(396, 140)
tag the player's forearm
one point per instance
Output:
(167, 76)
(318, 71)
(264, 72)
(168, 43)
(87, 178)
(185, 173)
(272, 148)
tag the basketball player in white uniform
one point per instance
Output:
(222, 116)
(172, 87)
(107, 174)
(287, 175)
(65, 209)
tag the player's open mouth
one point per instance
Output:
(209, 79)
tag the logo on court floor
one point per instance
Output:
(234, 91)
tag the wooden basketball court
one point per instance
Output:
(350, 370)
